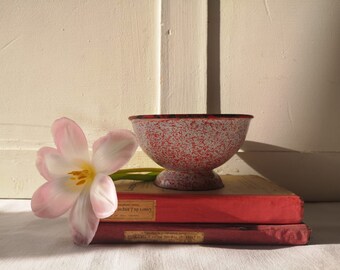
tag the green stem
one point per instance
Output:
(132, 175)
(140, 177)
(140, 170)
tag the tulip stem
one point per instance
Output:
(140, 174)
(140, 170)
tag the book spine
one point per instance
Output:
(285, 209)
(292, 234)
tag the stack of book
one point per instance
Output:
(248, 210)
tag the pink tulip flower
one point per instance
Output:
(76, 182)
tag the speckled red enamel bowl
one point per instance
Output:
(190, 146)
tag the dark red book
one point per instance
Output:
(244, 199)
(181, 233)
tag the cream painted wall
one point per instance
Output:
(96, 62)
(184, 56)
(100, 61)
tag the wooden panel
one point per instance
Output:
(184, 56)
(93, 61)
(96, 62)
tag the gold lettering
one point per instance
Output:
(164, 236)
(134, 210)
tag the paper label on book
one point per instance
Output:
(134, 210)
(164, 236)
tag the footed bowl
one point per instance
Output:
(190, 146)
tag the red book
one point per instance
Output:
(244, 199)
(181, 233)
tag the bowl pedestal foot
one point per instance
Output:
(189, 180)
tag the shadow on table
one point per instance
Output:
(324, 220)
(24, 235)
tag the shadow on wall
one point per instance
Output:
(319, 73)
(24, 235)
(307, 83)
(313, 172)
(314, 176)
(214, 57)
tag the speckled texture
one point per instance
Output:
(190, 145)
(189, 181)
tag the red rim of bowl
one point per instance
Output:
(190, 116)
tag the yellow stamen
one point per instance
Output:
(84, 176)
(80, 182)
(75, 172)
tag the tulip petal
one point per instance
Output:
(52, 199)
(83, 220)
(113, 151)
(103, 196)
(70, 140)
(51, 164)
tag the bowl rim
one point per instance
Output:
(190, 116)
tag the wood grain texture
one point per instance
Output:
(184, 56)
